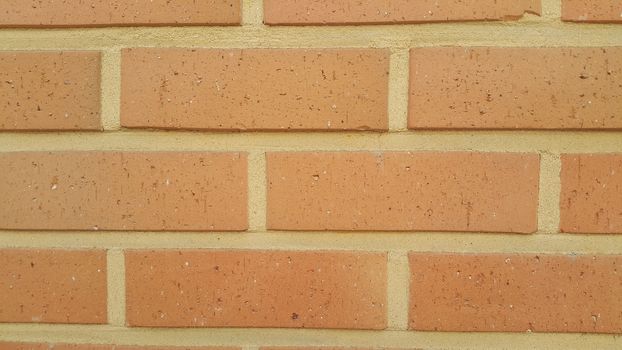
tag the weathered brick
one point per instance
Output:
(305, 12)
(255, 89)
(515, 293)
(47, 90)
(608, 11)
(515, 88)
(101, 13)
(53, 286)
(591, 197)
(400, 191)
(211, 288)
(177, 191)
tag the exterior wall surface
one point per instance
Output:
(310, 174)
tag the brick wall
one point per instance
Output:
(289, 175)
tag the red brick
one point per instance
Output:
(46, 346)
(271, 89)
(312, 348)
(400, 191)
(49, 90)
(305, 12)
(52, 286)
(607, 11)
(23, 346)
(209, 288)
(159, 191)
(101, 13)
(515, 293)
(515, 88)
(591, 198)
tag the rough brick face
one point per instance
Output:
(52, 286)
(515, 88)
(312, 348)
(591, 199)
(515, 293)
(49, 90)
(592, 11)
(44, 346)
(124, 191)
(304, 12)
(255, 89)
(210, 288)
(433, 191)
(99, 13)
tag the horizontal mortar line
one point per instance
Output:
(104, 334)
(524, 33)
(484, 141)
(560, 243)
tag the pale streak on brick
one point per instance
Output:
(305, 12)
(229, 288)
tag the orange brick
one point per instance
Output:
(49, 90)
(515, 88)
(305, 12)
(591, 198)
(45, 346)
(177, 191)
(311, 348)
(101, 13)
(269, 89)
(53, 286)
(205, 288)
(127, 347)
(431, 191)
(515, 293)
(607, 11)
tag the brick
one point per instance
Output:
(515, 293)
(312, 348)
(101, 13)
(515, 88)
(52, 286)
(255, 89)
(176, 191)
(211, 288)
(128, 347)
(591, 196)
(305, 12)
(61, 346)
(607, 11)
(50, 90)
(400, 191)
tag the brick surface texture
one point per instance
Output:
(256, 289)
(50, 90)
(305, 12)
(100, 13)
(255, 89)
(53, 286)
